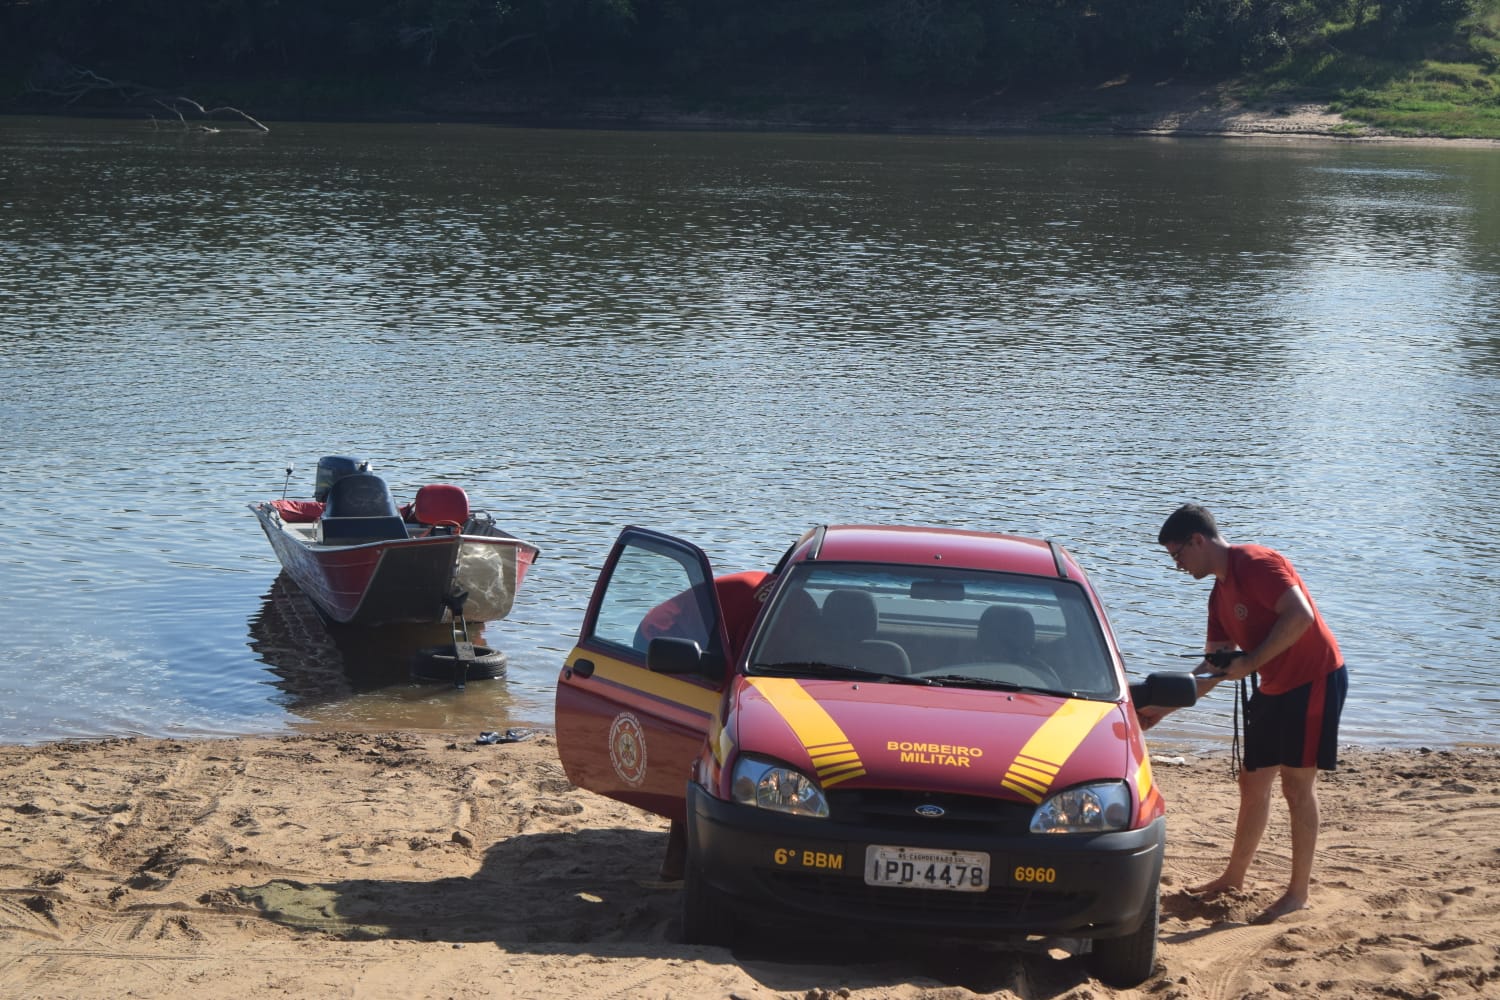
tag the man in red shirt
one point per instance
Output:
(1259, 606)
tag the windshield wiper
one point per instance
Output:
(989, 683)
(816, 668)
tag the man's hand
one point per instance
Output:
(1222, 659)
(1207, 682)
(1150, 715)
(1222, 664)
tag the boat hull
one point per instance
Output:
(400, 580)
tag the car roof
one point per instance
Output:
(949, 547)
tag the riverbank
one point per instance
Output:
(1162, 108)
(409, 865)
(1167, 108)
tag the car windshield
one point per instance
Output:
(938, 626)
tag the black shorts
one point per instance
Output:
(1299, 728)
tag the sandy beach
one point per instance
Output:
(418, 865)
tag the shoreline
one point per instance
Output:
(1164, 740)
(1163, 109)
(1202, 749)
(1168, 109)
(402, 864)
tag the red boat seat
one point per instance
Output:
(441, 505)
(298, 511)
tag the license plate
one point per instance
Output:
(917, 868)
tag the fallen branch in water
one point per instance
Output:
(75, 83)
(172, 105)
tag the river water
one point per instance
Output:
(731, 337)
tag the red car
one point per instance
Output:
(910, 728)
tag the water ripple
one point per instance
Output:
(731, 337)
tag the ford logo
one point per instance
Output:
(930, 811)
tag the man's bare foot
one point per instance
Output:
(1286, 904)
(1219, 886)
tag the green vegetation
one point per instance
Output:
(1397, 74)
(1415, 67)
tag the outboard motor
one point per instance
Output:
(332, 468)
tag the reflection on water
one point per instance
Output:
(317, 661)
(320, 666)
(731, 338)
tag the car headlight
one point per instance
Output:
(767, 785)
(1086, 809)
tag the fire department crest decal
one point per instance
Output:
(627, 748)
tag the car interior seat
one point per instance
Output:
(850, 621)
(1007, 633)
(794, 631)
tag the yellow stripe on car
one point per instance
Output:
(681, 693)
(1031, 781)
(833, 756)
(718, 739)
(1143, 779)
(1035, 767)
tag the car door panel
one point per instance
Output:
(623, 730)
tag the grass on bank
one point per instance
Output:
(1431, 80)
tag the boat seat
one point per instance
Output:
(359, 509)
(360, 530)
(439, 505)
(360, 494)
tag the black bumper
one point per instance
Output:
(779, 867)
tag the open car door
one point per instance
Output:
(622, 729)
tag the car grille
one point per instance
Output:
(998, 907)
(897, 810)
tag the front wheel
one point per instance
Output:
(706, 914)
(1127, 961)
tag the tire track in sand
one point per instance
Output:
(1236, 950)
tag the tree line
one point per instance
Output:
(686, 47)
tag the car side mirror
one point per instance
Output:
(671, 655)
(1166, 690)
